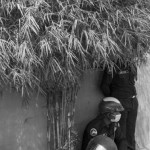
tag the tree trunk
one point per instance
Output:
(61, 107)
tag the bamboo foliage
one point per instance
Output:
(44, 41)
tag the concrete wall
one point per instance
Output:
(87, 102)
(22, 128)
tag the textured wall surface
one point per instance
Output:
(143, 118)
(22, 128)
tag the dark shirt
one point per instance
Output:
(99, 126)
(120, 84)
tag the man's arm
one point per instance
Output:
(120, 139)
(85, 139)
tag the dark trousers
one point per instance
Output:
(128, 120)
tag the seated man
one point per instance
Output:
(106, 124)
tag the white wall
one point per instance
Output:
(22, 128)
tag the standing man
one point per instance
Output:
(121, 85)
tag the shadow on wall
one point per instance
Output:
(22, 128)
(88, 98)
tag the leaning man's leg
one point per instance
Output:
(131, 123)
(123, 122)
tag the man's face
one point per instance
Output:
(115, 117)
